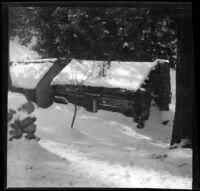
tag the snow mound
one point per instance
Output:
(15, 100)
(166, 116)
(20, 119)
(28, 76)
(126, 75)
(75, 134)
(20, 52)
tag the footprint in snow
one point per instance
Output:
(29, 167)
(154, 156)
(183, 164)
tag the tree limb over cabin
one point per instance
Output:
(35, 78)
(126, 87)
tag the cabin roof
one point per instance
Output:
(125, 75)
(28, 75)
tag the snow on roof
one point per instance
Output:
(125, 75)
(28, 76)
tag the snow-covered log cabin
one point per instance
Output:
(126, 87)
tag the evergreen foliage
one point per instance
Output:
(128, 34)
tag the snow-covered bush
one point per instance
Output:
(20, 120)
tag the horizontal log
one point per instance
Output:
(63, 91)
(36, 60)
(91, 94)
(60, 99)
(116, 102)
(112, 106)
(90, 89)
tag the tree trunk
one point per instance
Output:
(74, 117)
(183, 123)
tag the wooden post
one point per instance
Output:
(94, 105)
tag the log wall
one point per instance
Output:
(161, 86)
(131, 103)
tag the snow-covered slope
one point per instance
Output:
(20, 52)
(126, 75)
(104, 149)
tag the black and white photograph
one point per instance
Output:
(100, 96)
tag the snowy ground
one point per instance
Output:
(104, 149)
